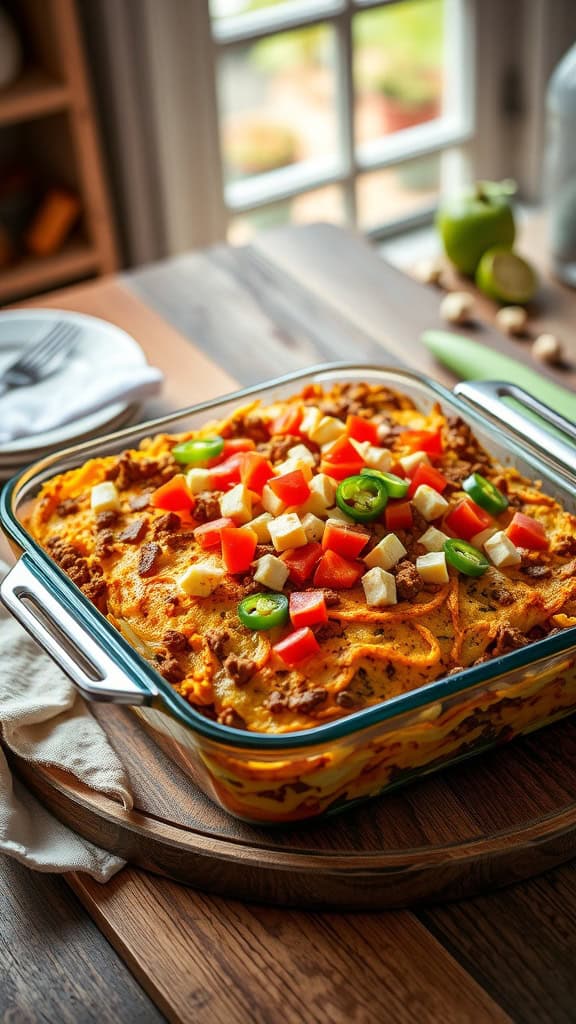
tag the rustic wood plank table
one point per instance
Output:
(211, 319)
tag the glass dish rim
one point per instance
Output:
(129, 659)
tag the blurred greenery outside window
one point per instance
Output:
(347, 111)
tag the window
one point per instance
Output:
(224, 116)
(349, 111)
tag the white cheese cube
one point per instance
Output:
(429, 503)
(328, 429)
(387, 553)
(260, 527)
(291, 465)
(433, 539)
(237, 504)
(271, 572)
(301, 452)
(271, 502)
(411, 462)
(379, 587)
(340, 516)
(479, 539)
(378, 458)
(432, 567)
(322, 495)
(201, 579)
(286, 531)
(362, 447)
(198, 480)
(313, 527)
(104, 497)
(310, 419)
(501, 551)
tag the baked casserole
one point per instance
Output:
(314, 558)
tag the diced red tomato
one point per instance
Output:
(429, 441)
(238, 547)
(427, 475)
(208, 535)
(342, 452)
(288, 422)
(307, 608)
(526, 532)
(233, 445)
(173, 496)
(467, 519)
(291, 488)
(337, 572)
(344, 539)
(227, 473)
(360, 429)
(297, 646)
(398, 515)
(301, 561)
(340, 470)
(255, 471)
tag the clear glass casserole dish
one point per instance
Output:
(265, 778)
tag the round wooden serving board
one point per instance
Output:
(490, 821)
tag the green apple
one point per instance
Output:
(476, 221)
(506, 277)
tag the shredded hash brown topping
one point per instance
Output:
(131, 554)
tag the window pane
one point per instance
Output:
(231, 8)
(323, 204)
(277, 101)
(397, 192)
(398, 67)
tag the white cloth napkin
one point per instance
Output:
(44, 721)
(75, 393)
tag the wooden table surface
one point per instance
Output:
(211, 319)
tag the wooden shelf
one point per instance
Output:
(33, 95)
(76, 260)
(60, 150)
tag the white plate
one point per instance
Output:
(11, 466)
(17, 459)
(101, 346)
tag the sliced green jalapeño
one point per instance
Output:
(263, 611)
(485, 494)
(465, 557)
(198, 452)
(395, 485)
(362, 497)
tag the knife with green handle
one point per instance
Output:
(470, 360)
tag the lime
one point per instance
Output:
(506, 277)
(476, 221)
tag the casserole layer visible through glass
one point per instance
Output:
(265, 778)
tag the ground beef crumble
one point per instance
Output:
(148, 559)
(175, 642)
(408, 580)
(67, 507)
(217, 640)
(308, 700)
(207, 506)
(239, 669)
(134, 532)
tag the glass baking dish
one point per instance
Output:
(269, 779)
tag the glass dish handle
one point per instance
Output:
(97, 676)
(550, 432)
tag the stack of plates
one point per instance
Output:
(100, 346)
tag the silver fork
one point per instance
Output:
(40, 360)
